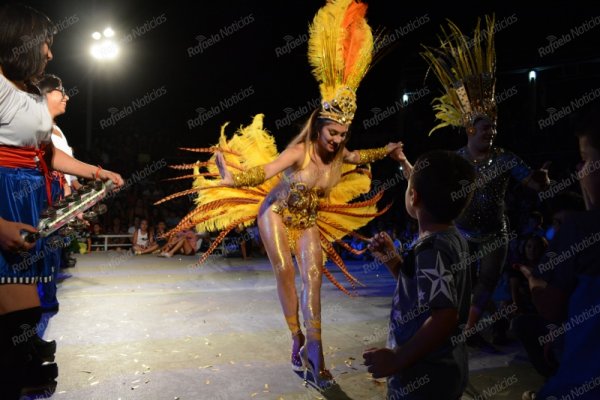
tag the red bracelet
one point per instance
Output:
(98, 172)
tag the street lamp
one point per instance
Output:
(103, 49)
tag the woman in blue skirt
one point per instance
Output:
(26, 160)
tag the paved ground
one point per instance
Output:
(145, 327)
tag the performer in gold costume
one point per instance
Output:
(300, 198)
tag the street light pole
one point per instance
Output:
(88, 120)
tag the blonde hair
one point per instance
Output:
(309, 134)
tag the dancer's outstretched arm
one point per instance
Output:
(369, 155)
(255, 176)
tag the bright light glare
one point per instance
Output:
(96, 35)
(108, 32)
(532, 76)
(105, 50)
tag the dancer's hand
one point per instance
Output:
(381, 362)
(398, 154)
(10, 236)
(391, 147)
(226, 177)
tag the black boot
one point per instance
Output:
(28, 367)
(45, 349)
(10, 389)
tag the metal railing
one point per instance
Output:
(106, 238)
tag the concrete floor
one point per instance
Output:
(145, 327)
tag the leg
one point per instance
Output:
(310, 263)
(178, 245)
(243, 248)
(529, 328)
(187, 248)
(278, 249)
(21, 357)
(149, 249)
(489, 273)
(18, 297)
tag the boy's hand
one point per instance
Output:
(381, 362)
(382, 247)
(398, 154)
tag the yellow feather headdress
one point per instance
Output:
(340, 50)
(467, 71)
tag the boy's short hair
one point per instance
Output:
(445, 183)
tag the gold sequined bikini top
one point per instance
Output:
(299, 208)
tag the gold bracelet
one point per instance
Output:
(370, 155)
(252, 177)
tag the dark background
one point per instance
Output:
(282, 84)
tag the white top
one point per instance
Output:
(24, 117)
(60, 142)
(142, 238)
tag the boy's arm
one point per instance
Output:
(382, 247)
(437, 290)
(432, 334)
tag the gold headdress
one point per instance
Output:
(468, 74)
(340, 50)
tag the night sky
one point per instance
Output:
(186, 69)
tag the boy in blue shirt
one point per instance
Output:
(425, 356)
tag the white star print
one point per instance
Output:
(439, 278)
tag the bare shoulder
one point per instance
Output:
(297, 148)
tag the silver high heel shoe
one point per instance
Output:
(321, 380)
(296, 359)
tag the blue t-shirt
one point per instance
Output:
(432, 277)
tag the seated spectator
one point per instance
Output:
(96, 242)
(183, 242)
(565, 287)
(143, 237)
(157, 241)
(117, 229)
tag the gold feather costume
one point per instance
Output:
(308, 205)
(340, 52)
(222, 208)
(467, 71)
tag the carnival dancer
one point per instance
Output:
(466, 69)
(300, 198)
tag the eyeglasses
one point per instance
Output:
(61, 90)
